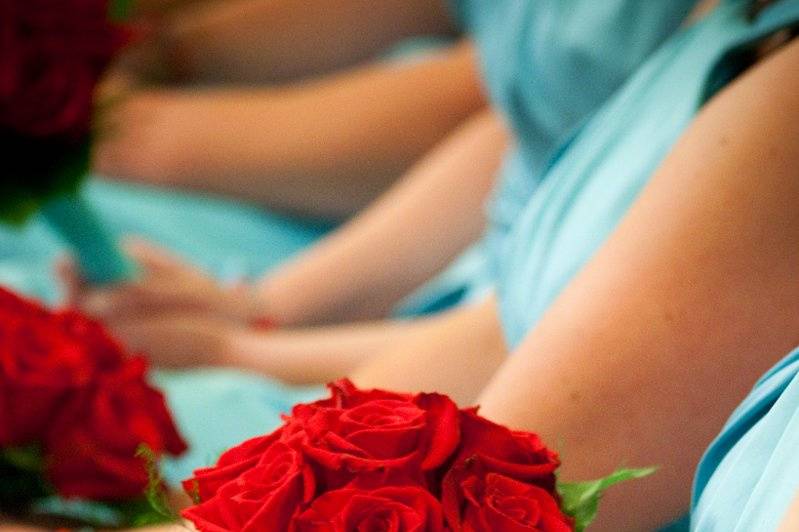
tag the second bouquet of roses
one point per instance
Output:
(75, 410)
(373, 460)
(53, 55)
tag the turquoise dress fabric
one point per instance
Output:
(750, 474)
(229, 239)
(214, 408)
(557, 64)
(600, 171)
(547, 65)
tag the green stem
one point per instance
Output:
(99, 258)
(120, 9)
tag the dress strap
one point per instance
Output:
(739, 55)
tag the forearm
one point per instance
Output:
(325, 148)
(411, 233)
(456, 355)
(315, 355)
(791, 521)
(647, 352)
(278, 40)
(149, 8)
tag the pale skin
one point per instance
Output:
(323, 148)
(250, 41)
(644, 358)
(419, 226)
(322, 143)
(684, 324)
(791, 522)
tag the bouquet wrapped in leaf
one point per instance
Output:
(75, 414)
(52, 55)
(383, 461)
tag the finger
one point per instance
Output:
(167, 341)
(66, 271)
(106, 304)
(123, 300)
(152, 296)
(152, 257)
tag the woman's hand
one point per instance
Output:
(8, 526)
(178, 340)
(164, 285)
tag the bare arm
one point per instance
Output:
(641, 360)
(791, 522)
(456, 355)
(361, 271)
(278, 40)
(324, 148)
(417, 354)
(313, 356)
(302, 356)
(383, 353)
(402, 240)
(148, 8)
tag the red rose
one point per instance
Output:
(92, 447)
(357, 431)
(232, 464)
(490, 461)
(45, 358)
(495, 502)
(391, 509)
(518, 455)
(106, 353)
(53, 53)
(11, 304)
(344, 394)
(265, 497)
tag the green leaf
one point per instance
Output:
(156, 492)
(581, 499)
(58, 171)
(79, 512)
(152, 508)
(119, 10)
(20, 479)
(28, 459)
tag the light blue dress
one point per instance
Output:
(548, 64)
(600, 171)
(229, 239)
(214, 408)
(749, 475)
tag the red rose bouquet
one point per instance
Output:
(74, 411)
(52, 55)
(370, 460)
